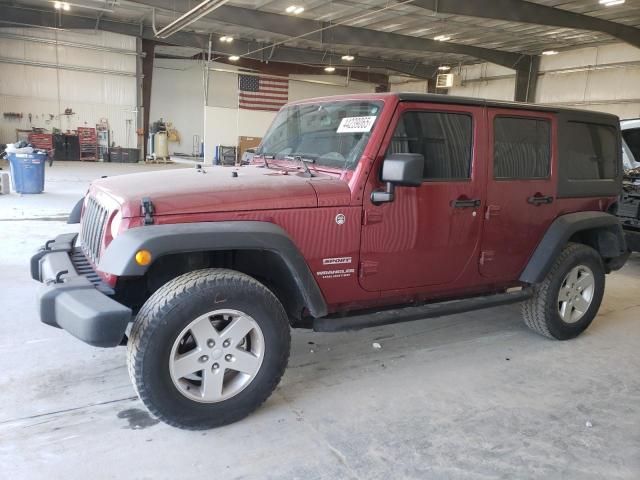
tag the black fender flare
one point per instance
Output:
(76, 212)
(610, 241)
(119, 257)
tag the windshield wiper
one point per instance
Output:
(304, 159)
(264, 156)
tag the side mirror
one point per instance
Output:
(399, 169)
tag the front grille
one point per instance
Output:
(84, 268)
(94, 221)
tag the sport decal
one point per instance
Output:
(334, 261)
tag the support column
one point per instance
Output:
(148, 47)
(527, 80)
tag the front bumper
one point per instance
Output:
(74, 297)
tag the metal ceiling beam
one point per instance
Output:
(528, 12)
(289, 26)
(526, 82)
(47, 19)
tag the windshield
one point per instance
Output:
(331, 134)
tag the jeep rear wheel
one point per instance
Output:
(208, 348)
(568, 299)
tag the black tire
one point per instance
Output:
(169, 310)
(541, 313)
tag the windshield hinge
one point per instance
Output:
(147, 210)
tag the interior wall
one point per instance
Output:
(498, 89)
(404, 84)
(604, 78)
(615, 89)
(46, 92)
(177, 96)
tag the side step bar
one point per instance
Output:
(409, 314)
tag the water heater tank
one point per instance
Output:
(161, 145)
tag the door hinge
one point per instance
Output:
(368, 267)
(492, 211)
(487, 256)
(148, 210)
(371, 216)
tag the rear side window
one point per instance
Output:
(444, 139)
(593, 151)
(521, 148)
(632, 137)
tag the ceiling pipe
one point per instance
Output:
(187, 19)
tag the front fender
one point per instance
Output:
(119, 257)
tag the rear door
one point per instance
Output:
(520, 189)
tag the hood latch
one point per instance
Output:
(147, 210)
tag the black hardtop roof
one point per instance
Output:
(452, 99)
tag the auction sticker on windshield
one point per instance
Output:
(356, 124)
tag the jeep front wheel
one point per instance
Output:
(208, 348)
(568, 299)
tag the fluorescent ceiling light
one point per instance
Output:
(226, 39)
(196, 13)
(295, 9)
(442, 38)
(348, 58)
(330, 69)
(234, 58)
(66, 6)
(444, 68)
(550, 52)
(611, 3)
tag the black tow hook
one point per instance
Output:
(58, 278)
(147, 210)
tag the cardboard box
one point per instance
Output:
(247, 142)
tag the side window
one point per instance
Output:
(632, 137)
(444, 139)
(593, 151)
(521, 148)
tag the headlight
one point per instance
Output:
(115, 224)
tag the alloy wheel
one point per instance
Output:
(576, 293)
(216, 356)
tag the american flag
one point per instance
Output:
(262, 93)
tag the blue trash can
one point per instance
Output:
(27, 171)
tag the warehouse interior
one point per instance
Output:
(117, 87)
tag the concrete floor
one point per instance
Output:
(473, 396)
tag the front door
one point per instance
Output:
(520, 189)
(429, 234)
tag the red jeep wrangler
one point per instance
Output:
(358, 211)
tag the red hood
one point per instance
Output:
(185, 190)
